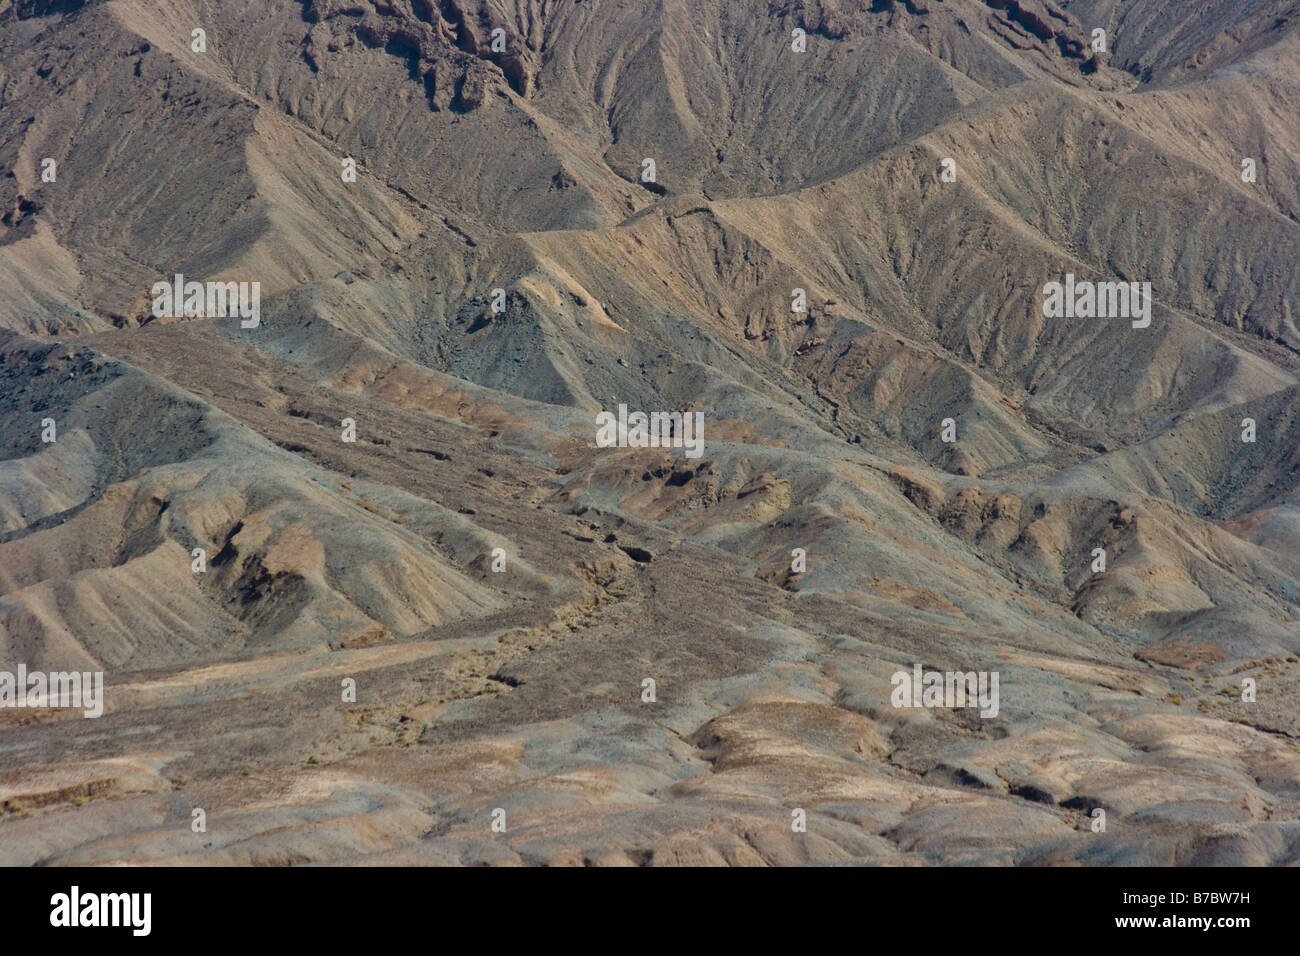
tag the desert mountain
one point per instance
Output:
(826, 227)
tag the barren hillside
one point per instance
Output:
(827, 227)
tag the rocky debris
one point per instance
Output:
(448, 45)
